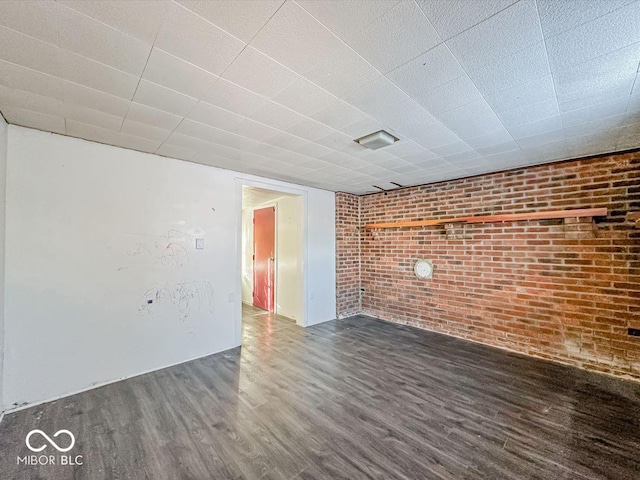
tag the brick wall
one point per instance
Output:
(564, 290)
(347, 254)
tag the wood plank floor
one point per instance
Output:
(355, 398)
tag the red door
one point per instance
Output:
(264, 240)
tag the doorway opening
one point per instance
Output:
(272, 250)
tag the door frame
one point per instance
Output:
(276, 187)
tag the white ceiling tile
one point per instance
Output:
(162, 98)
(420, 158)
(427, 71)
(234, 98)
(137, 143)
(355, 149)
(215, 116)
(338, 115)
(508, 146)
(462, 159)
(503, 34)
(152, 116)
(171, 72)
(616, 106)
(254, 130)
(397, 36)
(29, 52)
(242, 19)
(10, 97)
(604, 35)
(590, 100)
(636, 85)
(342, 71)
(451, 148)
(187, 142)
(259, 73)
(557, 17)
(37, 18)
(505, 160)
(138, 18)
(85, 71)
(335, 140)
(536, 128)
(495, 138)
(471, 120)
(529, 113)
(404, 147)
(634, 103)
(542, 139)
(347, 18)
(267, 150)
(547, 152)
(311, 149)
(91, 117)
(276, 115)
(591, 128)
(538, 90)
(451, 17)
(511, 71)
(91, 132)
(210, 134)
(295, 39)
(95, 99)
(430, 134)
(450, 95)
(362, 128)
(28, 118)
(304, 97)
(309, 130)
(286, 141)
(173, 151)
(22, 78)
(143, 130)
(195, 40)
(604, 142)
(375, 97)
(611, 74)
(398, 115)
(90, 38)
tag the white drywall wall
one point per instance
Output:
(3, 188)
(247, 255)
(289, 258)
(95, 232)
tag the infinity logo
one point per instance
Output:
(51, 442)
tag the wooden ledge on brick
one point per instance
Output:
(507, 217)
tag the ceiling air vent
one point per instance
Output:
(377, 140)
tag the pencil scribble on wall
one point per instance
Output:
(186, 297)
(168, 251)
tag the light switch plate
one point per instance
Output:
(199, 243)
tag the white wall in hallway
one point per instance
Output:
(289, 258)
(103, 280)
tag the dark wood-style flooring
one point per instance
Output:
(355, 398)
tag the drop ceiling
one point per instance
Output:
(281, 89)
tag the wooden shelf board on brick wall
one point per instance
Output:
(507, 217)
